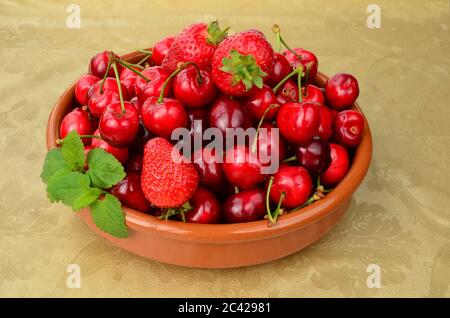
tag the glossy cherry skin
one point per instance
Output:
(242, 168)
(160, 119)
(228, 113)
(295, 182)
(141, 139)
(206, 208)
(119, 128)
(134, 162)
(314, 157)
(157, 75)
(269, 145)
(83, 86)
(209, 168)
(99, 64)
(349, 126)
(299, 122)
(341, 91)
(289, 91)
(161, 48)
(307, 57)
(312, 94)
(192, 90)
(326, 123)
(129, 192)
(245, 206)
(260, 101)
(100, 100)
(128, 78)
(340, 164)
(78, 120)
(121, 154)
(281, 68)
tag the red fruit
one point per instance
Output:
(121, 154)
(134, 162)
(196, 43)
(119, 127)
(161, 48)
(259, 101)
(307, 57)
(167, 180)
(289, 91)
(99, 64)
(349, 126)
(157, 76)
(78, 120)
(314, 157)
(83, 86)
(338, 168)
(241, 62)
(209, 169)
(242, 168)
(313, 94)
(268, 145)
(281, 68)
(140, 140)
(245, 206)
(128, 78)
(130, 194)
(162, 118)
(100, 100)
(299, 122)
(341, 91)
(136, 103)
(295, 182)
(206, 208)
(326, 123)
(228, 113)
(193, 90)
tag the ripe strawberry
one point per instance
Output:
(241, 62)
(196, 43)
(167, 181)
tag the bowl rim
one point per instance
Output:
(235, 232)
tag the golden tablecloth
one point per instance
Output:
(399, 218)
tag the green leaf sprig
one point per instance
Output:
(81, 182)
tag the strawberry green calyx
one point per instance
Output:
(215, 35)
(186, 207)
(243, 68)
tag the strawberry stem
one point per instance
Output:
(174, 73)
(119, 86)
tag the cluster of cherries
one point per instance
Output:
(122, 105)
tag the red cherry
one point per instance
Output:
(289, 91)
(307, 57)
(162, 118)
(136, 103)
(139, 142)
(259, 101)
(78, 120)
(314, 157)
(128, 78)
(245, 206)
(83, 86)
(99, 64)
(206, 208)
(193, 90)
(295, 183)
(121, 154)
(161, 48)
(268, 145)
(341, 91)
(326, 123)
(338, 168)
(242, 167)
(209, 169)
(119, 127)
(157, 75)
(299, 122)
(281, 68)
(134, 162)
(100, 100)
(228, 113)
(312, 94)
(349, 126)
(129, 192)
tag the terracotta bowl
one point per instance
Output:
(227, 245)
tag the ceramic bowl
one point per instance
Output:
(227, 245)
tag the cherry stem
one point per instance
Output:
(138, 64)
(236, 190)
(308, 69)
(255, 141)
(106, 74)
(60, 141)
(269, 213)
(290, 159)
(276, 87)
(308, 202)
(299, 84)
(276, 30)
(174, 73)
(144, 51)
(277, 210)
(130, 67)
(119, 86)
